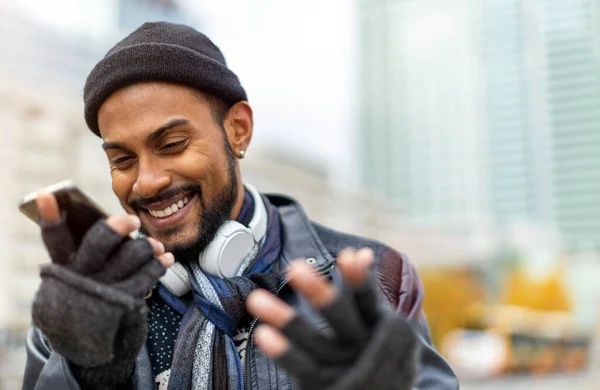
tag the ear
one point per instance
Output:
(238, 125)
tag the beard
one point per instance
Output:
(212, 215)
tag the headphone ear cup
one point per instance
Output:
(225, 254)
(176, 280)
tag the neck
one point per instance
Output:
(239, 201)
(244, 214)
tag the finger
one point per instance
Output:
(47, 207)
(143, 280)
(157, 246)
(316, 343)
(97, 245)
(124, 224)
(337, 308)
(55, 232)
(126, 260)
(270, 309)
(271, 341)
(344, 317)
(354, 266)
(58, 241)
(311, 285)
(368, 302)
(166, 259)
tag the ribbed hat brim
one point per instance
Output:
(157, 62)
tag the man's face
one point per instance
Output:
(171, 162)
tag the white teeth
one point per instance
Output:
(169, 209)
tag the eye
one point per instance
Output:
(173, 146)
(122, 162)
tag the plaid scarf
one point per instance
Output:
(205, 355)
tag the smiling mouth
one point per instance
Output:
(170, 209)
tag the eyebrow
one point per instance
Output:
(156, 134)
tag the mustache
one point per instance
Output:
(139, 203)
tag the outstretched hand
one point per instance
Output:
(276, 314)
(367, 345)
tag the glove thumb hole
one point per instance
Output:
(368, 302)
(58, 241)
(96, 247)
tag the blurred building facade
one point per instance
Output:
(44, 141)
(41, 122)
(485, 112)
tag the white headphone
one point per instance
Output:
(223, 257)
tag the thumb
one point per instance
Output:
(55, 232)
(47, 207)
(124, 223)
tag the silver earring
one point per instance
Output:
(242, 154)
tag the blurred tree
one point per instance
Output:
(545, 294)
(451, 294)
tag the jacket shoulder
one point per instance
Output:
(396, 276)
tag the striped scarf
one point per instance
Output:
(205, 354)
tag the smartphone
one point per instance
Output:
(82, 212)
(69, 197)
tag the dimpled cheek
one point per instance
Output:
(219, 170)
(122, 190)
(209, 175)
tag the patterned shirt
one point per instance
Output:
(163, 323)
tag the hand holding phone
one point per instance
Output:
(90, 304)
(69, 201)
(48, 211)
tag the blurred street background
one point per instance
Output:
(464, 133)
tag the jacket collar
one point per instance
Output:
(298, 237)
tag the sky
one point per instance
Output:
(297, 61)
(93, 18)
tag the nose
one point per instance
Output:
(151, 179)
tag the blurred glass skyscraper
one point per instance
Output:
(543, 93)
(420, 135)
(572, 31)
(485, 109)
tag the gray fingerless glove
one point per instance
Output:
(367, 346)
(90, 304)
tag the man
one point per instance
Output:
(174, 121)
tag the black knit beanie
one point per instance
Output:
(161, 51)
